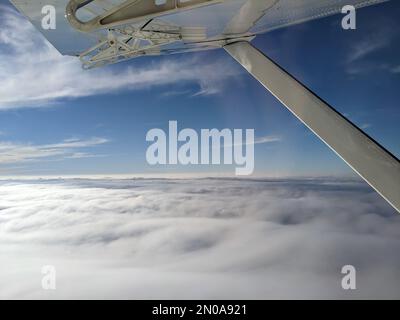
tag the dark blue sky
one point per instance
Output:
(356, 71)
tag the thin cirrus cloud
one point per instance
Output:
(267, 139)
(196, 239)
(258, 140)
(360, 50)
(47, 76)
(11, 153)
(363, 48)
(395, 69)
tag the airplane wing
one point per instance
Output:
(196, 24)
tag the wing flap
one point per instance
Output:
(288, 12)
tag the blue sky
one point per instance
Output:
(357, 72)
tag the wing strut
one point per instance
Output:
(365, 156)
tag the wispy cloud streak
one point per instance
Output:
(11, 153)
(33, 73)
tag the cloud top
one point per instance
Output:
(197, 238)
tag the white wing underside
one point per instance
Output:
(219, 19)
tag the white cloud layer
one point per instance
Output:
(34, 74)
(197, 238)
